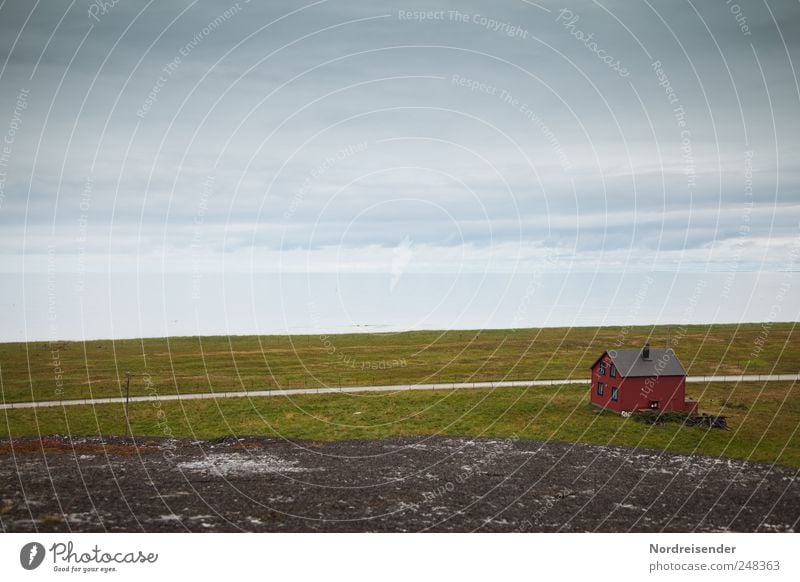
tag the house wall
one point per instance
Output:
(605, 400)
(636, 393)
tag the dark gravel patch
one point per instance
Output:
(392, 484)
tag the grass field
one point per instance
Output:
(765, 418)
(50, 371)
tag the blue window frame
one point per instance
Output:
(613, 371)
(600, 388)
(614, 393)
(601, 368)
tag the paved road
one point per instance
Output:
(350, 389)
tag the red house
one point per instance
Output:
(640, 379)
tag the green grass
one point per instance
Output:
(193, 364)
(764, 418)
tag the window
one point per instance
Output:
(613, 371)
(601, 369)
(600, 388)
(614, 393)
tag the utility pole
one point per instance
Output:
(127, 400)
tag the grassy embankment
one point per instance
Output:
(50, 371)
(765, 417)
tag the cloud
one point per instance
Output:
(336, 126)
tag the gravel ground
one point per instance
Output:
(392, 484)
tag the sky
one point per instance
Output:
(390, 139)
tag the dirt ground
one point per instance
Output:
(393, 484)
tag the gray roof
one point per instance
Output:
(661, 363)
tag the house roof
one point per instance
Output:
(630, 363)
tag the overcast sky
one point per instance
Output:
(442, 164)
(333, 135)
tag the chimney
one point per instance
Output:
(646, 352)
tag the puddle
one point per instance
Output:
(238, 464)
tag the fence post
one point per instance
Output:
(127, 400)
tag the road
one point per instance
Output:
(354, 389)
